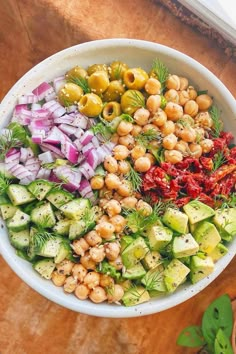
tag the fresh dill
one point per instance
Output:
(217, 122)
(163, 102)
(13, 136)
(203, 92)
(4, 183)
(136, 99)
(40, 238)
(135, 293)
(103, 130)
(161, 71)
(158, 154)
(80, 81)
(218, 160)
(134, 178)
(144, 138)
(118, 71)
(153, 279)
(229, 202)
(126, 117)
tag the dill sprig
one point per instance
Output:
(14, 136)
(153, 278)
(161, 71)
(136, 99)
(217, 122)
(40, 238)
(118, 71)
(218, 160)
(135, 293)
(80, 81)
(134, 178)
(4, 183)
(229, 202)
(146, 137)
(103, 130)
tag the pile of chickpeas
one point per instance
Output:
(183, 123)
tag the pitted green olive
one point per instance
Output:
(117, 69)
(131, 100)
(98, 82)
(135, 78)
(111, 110)
(90, 105)
(114, 91)
(70, 94)
(76, 72)
(97, 67)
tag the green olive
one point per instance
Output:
(70, 94)
(114, 91)
(117, 69)
(77, 72)
(97, 67)
(98, 82)
(90, 105)
(111, 110)
(131, 100)
(135, 78)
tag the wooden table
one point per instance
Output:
(31, 30)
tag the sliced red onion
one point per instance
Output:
(101, 154)
(54, 108)
(20, 171)
(66, 119)
(42, 90)
(90, 196)
(59, 112)
(50, 96)
(81, 158)
(19, 108)
(66, 173)
(86, 149)
(71, 109)
(43, 173)
(35, 106)
(41, 113)
(84, 187)
(24, 117)
(23, 154)
(52, 148)
(79, 133)
(87, 170)
(87, 137)
(28, 99)
(92, 159)
(109, 145)
(78, 144)
(80, 121)
(69, 151)
(55, 137)
(67, 129)
(27, 180)
(12, 155)
(30, 153)
(46, 157)
(58, 83)
(95, 142)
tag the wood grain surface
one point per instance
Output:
(31, 30)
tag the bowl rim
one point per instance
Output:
(115, 311)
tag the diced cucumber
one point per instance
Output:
(19, 194)
(135, 295)
(59, 197)
(50, 247)
(19, 221)
(27, 208)
(8, 210)
(76, 208)
(79, 229)
(40, 188)
(43, 216)
(154, 280)
(63, 252)
(136, 272)
(20, 240)
(62, 227)
(31, 254)
(45, 267)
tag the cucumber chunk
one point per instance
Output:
(19, 221)
(40, 188)
(62, 227)
(135, 295)
(8, 210)
(19, 194)
(80, 228)
(43, 216)
(59, 197)
(76, 208)
(20, 240)
(63, 252)
(45, 267)
(50, 247)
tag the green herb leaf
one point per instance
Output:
(218, 160)
(191, 337)
(15, 136)
(40, 238)
(136, 99)
(163, 102)
(80, 81)
(217, 122)
(222, 344)
(229, 202)
(158, 154)
(144, 138)
(4, 183)
(218, 315)
(203, 92)
(103, 130)
(161, 71)
(126, 117)
(135, 179)
(106, 268)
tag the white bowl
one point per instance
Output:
(134, 53)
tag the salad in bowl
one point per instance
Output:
(118, 178)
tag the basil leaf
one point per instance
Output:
(222, 344)
(218, 315)
(191, 337)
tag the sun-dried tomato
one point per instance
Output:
(227, 184)
(170, 169)
(192, 187)
(189, 163)
(207, 163)
(182, 201)
(204, 198)
(232, 153)
(227, 136)
(223, 171)
(219, 146)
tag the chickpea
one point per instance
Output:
(112, 250)
(172, 96)
(173, 156)
(111, 110)
(182, 146)
(123, 167)
(116, 294)
(65, 267)
(174, 111)
(117, 197)
(102, 202)
(97, 254)
(183, 83)
(112, 181)
(136, 130)
(159, 118)
(110, 164)
(183, 97)
(188, 134)
(200, 133)
(58, 278)
(114, 138)
(125, 189)
(207, 145)
(97, 182)
(80, 246)
(178, 129)
(153, 86)
(79, 272)
(143, 208)
(119, 222)
(204, 102)
(168, 128)
(124, 128)
(90, 104)
(106, 281)
(149, 127)
(129, 202)
(154, 144)
(191, 108)
(169, 141)
(117, 263)
(70, 284)
(87, 261)
(120, 152)
(203, 119)
(98, 295)
(142, 164)
(173, 82)
(113, 207)
(138, 151)
(188, 120)
(92, 279)
(92, 238)
(141, 116)
(196, 150)
(103, 218)
(192, 93)
(153, 103)
(127, 140)
(105, 229)
(151, 158)
(82, 292)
